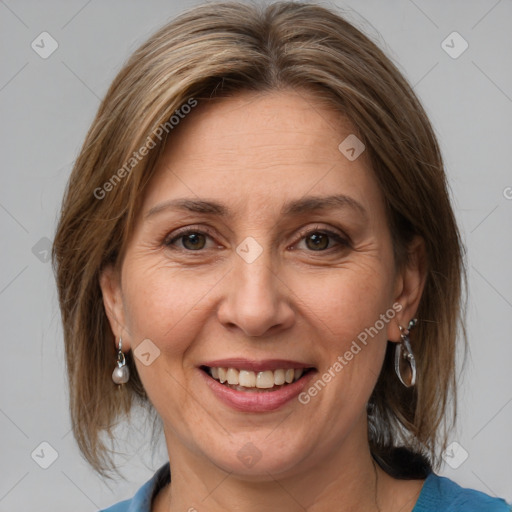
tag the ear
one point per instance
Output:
(409, 285)
(110, 283)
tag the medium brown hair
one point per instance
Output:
(219, 49)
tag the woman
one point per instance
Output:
(257, 243)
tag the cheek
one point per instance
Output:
(349, 311)
(162, 303)
(349, 299)
(166, 306)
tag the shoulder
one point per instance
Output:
(122, 506)
(440, 494)
(141, 501)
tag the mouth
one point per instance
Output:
(251, 381)
(256, 386)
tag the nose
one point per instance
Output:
(257, 299)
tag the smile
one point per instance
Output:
(256, 386)
(255, 381)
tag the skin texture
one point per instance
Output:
(253, 153)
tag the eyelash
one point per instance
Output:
(343, 242)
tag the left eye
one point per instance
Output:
(316, 240)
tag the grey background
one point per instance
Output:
(47, 106)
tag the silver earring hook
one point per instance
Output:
(120, 354)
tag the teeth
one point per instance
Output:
(232, 376)
(279, 378)
(261, 380)
(265, 380)
(222, 375)
(247, 379)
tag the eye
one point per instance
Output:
(191, 239)
(318, 240)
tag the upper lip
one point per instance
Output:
(256, 366)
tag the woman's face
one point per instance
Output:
(260, 247)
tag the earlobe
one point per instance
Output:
(410, 284)
(110, 284)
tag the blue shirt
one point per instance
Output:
(438, 494)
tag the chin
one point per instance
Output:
(259, 459)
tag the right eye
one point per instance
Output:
(191, 239)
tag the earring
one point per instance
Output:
(403, 354)
(121, 374)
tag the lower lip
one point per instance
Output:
(254, 401)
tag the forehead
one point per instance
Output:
(260, 148)
(281, 123)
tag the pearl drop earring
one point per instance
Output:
(121, 373)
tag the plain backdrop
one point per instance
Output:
(47, 105)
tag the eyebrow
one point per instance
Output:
(295, 207)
